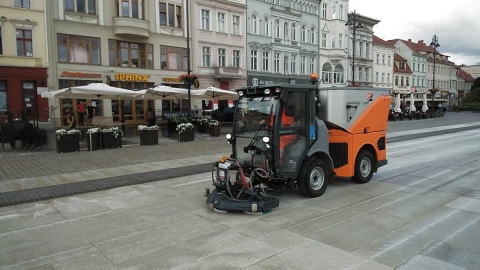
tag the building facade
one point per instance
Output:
(360, 49)
(282, 41)
(23, 60)
(219, 45)
(128, 44)
(473, 70)
(383, 53)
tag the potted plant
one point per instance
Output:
(214, 128)
(185, 132)
(68, 140)
(111, 138)
(188, 78)
(203, 125)
(148, 134)
(93, 139)
(172, 122)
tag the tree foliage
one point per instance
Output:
(474, 94)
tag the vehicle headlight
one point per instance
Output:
(228, 136)
(266, 139)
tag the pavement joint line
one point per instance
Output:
(58, 179)
(64, 190)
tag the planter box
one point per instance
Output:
(203, 128)
(93, 141)
(186, 136)
(109, 142)
(214, 131)
(68, 143)
(149, 137)
(171, 127)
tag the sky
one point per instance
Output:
(456, 24)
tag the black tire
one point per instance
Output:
(313, 178)
(363, 167)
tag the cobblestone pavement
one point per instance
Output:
(28, 170)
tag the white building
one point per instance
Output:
(383, 55)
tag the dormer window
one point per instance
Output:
(401, 65)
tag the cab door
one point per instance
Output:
(293, 135)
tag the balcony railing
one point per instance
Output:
(222, 72)
(126, 26)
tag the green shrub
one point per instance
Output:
(474, 106)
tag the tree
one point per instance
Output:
(474, 94)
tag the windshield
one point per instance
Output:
(252, 121)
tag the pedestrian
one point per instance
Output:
(81, 113)
(71, 121)
(90, 113)
(151, 117)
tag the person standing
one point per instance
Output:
(81, 113)
(151, 117)
(90, 113)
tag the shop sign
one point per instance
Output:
(81, 75)
(172, 79)
(131, 77)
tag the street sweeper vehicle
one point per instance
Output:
(298, 136)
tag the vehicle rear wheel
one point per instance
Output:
(313, 178)
(363, 167)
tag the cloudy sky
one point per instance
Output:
(456, 23)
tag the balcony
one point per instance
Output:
(131, 27)
(222, 72)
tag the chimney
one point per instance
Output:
(409, 40)
(421, 42)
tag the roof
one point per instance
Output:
(378, 41)
(399, 59)
(465, 75)
(421, 46)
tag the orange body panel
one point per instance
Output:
(367, 130)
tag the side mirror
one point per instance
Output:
(290, 107)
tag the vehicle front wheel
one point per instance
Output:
(363, 167)
(313, 178)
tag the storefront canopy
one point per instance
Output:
(214, 93)
(93, 91)
(162, 92)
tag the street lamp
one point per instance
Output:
(355, 25)
(435, 45)
(189, 84)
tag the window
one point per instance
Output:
(338, 76)
(170, 15)
(3, 96)
(24, 43)
(1, 40)
(277, 28)
(236, 24)
(340, 41)
(312, 35)
(22, 3)
(312, 65)
(276, 62)
(236, 58)
(401, 65)
(407, 81)
(285, 31)
(78, 49)
(130, 8)
(389, 60)
(324, 11)
(294, 32)
(222, 57)
(253, 24)
(377, 77)
(367, 71)
(80, 6)
(401, 80)
(266, 60)
(266, 27)
(340, 13)
(396, 80)
(383, 77)
(205, 19)
(334, 11)
(303, 69)
(367, 50)
(383, 59)
(324, 40)
(173, 58)
(303, 37)
(206, 56)
(388, 78)
(253, 60)
(293, 65)
(221, 22)
(333, 41)
(360, 49)
(378, 58)
(134, 55)
(327, 73)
